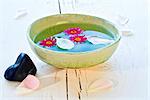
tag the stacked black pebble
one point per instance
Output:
(21, 69)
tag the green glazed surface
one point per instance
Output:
(72, 59)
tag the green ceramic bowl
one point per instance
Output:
(72, 59)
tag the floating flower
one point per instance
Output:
(73, 31)
(51, 41)
(78, 39)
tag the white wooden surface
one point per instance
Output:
(127, 68)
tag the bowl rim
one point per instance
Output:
(72, 53)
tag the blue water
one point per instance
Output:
(81, 47)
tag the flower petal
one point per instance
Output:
(51, 41)
(78, 39)
(73, 31)
(98, 40)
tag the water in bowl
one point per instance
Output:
(58, 31)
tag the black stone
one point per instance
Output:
(22, 67)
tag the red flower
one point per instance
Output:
(73, 31)
(78, 39)
(51, 41)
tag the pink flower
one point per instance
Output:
(73, 31)
(78, 39)
(51, 41)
